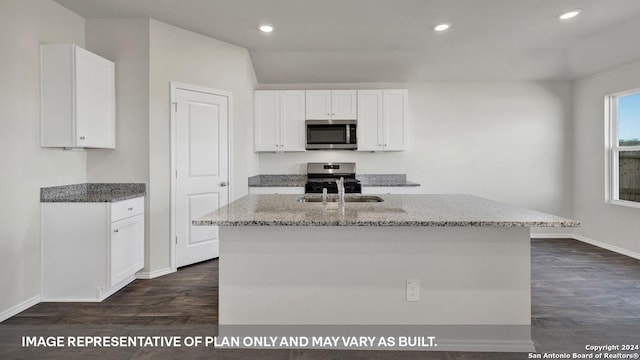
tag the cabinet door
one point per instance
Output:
(292, 129)
(126, 255)
(318, 104)
(95, 100)
(267, 120)
(395, 120)
(369, 120)
(344, 104)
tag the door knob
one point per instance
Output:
(223, 184)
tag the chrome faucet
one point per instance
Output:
(340, 184)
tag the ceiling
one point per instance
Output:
(326, 41)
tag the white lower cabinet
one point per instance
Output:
(90, 250)
(126, 251)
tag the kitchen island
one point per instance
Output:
(288, 262)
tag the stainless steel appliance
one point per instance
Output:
(324, 175)
(331, 134)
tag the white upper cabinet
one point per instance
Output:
(292, 128)
(369, 130)
(395, 120)
(344, 104)
(279, 120)
(267, 120)
(331, 104)
(77, 98)
(382, 120)
(318, 105)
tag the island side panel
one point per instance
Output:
(357, 275)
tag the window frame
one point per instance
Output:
(613, 149)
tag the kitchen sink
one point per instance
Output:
(353, 198)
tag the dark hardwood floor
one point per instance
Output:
(581, 295)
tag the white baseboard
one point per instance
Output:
(154, 274)
(590, 241)
(15, 310)
(69, 299)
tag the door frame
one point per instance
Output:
(175, 86)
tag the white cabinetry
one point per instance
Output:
(77, 98)
(382, 120)
(331, 104)
(279, 120)
(90, 250)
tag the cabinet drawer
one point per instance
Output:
(127, 208)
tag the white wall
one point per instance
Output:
(184, 56)
(507, 141)
(611, 224)
(26, 167)
(125, 42)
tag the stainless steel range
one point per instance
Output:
(324, 175)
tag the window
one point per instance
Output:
(624, 147)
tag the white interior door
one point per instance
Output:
(202, 175)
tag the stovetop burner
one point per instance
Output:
(324, 175)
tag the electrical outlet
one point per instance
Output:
(413, 290)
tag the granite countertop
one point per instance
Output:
(399, 180)
(297, 180)
(277, 181)
(92, 192)
(396, 210)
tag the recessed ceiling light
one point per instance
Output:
(569, 14)
(442, 27)
(266, 28)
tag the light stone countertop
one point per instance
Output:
(92, 192)
(396, 210)
(277, 180)
(373, 180)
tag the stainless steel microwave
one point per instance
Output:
(331, 134)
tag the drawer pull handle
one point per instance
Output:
(116, 230)
(130, 209)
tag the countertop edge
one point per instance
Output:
(392, 223)
(98, 200)
(298, 180)
(92, 192)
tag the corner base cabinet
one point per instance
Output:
(77, 98)
(90, 250)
